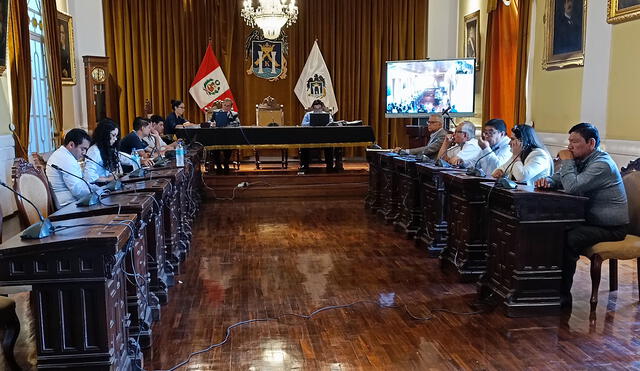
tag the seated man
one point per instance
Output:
(494, 145)
(224, 117)
(305, 153)
(134, 140)
(587, 171)
(436, 137)
(154, 141)
(460, 149)
(64, 187)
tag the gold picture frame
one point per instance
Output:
(471, 47)
(565, 31)
(619, 11)
(67, 49)
(4, 22)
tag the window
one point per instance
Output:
(41, 120)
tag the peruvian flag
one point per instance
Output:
(210, 84)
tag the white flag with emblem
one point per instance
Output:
(315, 82)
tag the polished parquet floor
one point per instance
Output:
(257, 259)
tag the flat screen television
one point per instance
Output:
(420, 87)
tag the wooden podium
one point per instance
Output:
(78, 294)
(143, 305)
(526, 236)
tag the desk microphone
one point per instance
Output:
(38, 230)
(139, 172)
(89, 200)
(159, 161)
(115, 184)
(475, 171)
(504, 181)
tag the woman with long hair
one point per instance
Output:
(530, 161)
(103, 158)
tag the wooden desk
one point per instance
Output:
(433, 234)
(373, 200)
(390, 195)
(526, 237)
(409, 219)
(142, 304)
(466, 249)
(174, 236)
(160, 270)
(78, 293)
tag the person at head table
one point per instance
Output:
(176, 117)
(436, 137)
(461, 148)
(154, 141)
(224, 117)
(134, 141)
(305, 153)
(586, 170)
(64, 187)
(530, 160)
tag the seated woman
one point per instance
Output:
(176, 118)
(103, 160)
(530, 161)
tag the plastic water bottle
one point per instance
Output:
(179, 154)
(135, 157)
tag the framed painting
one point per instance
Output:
(623, 10)
(565, 28)
(4, 23)
(472, 37)
(67, 52)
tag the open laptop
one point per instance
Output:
(318, 119)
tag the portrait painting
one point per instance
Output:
(4, 21)
(623, 10)
(564, 33)
(67, 60)
(472, 36)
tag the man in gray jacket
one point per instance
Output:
(587, 171)
(436, 137)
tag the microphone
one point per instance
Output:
(503, 181)
(115, 184)
(12, 128)
(159, 161)
(89, 200)
(446, 110)
(475, 171)
(38, 230)
(137, 173)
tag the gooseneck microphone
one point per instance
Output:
(504, 181)
(115, 184)
(475, 171)
(38, 230)
(89, 200)
(137, 173)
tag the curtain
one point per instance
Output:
(155, 48)
(501, 58)
(20, 72)
(54, 68)
(520, 99)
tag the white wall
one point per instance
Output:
(442, 30)
(89, 40)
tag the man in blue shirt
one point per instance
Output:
(305, 153)
(134, 140)
(587, 171)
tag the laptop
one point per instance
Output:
(221, 118)
(318, 119)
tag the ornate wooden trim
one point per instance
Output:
(269, 104)
(19, 168)
(283, 146)
(632, 166)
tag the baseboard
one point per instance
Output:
(622, 151)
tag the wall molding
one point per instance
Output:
(622, 151)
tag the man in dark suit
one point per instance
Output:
(436, 137)
(567, 35)
(223, 118)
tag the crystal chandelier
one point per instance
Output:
(270, 16)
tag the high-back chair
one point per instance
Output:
(33, 184)
(271, 113)
(627, 249)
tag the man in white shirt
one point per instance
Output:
(66, 188)
(494, 145)
(465, 148)
(154, 140)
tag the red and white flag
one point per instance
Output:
(210, 84)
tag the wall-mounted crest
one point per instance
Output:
(267, 57)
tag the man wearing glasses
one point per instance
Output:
(436, 137)
(494, 145)
(461, 148)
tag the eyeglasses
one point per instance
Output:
(490, 132)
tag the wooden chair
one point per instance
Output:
(627, 249)
(10, 324)
(33, 184)
(271, 113)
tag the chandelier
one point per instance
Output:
(270, 16)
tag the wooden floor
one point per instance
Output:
(257, 259)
